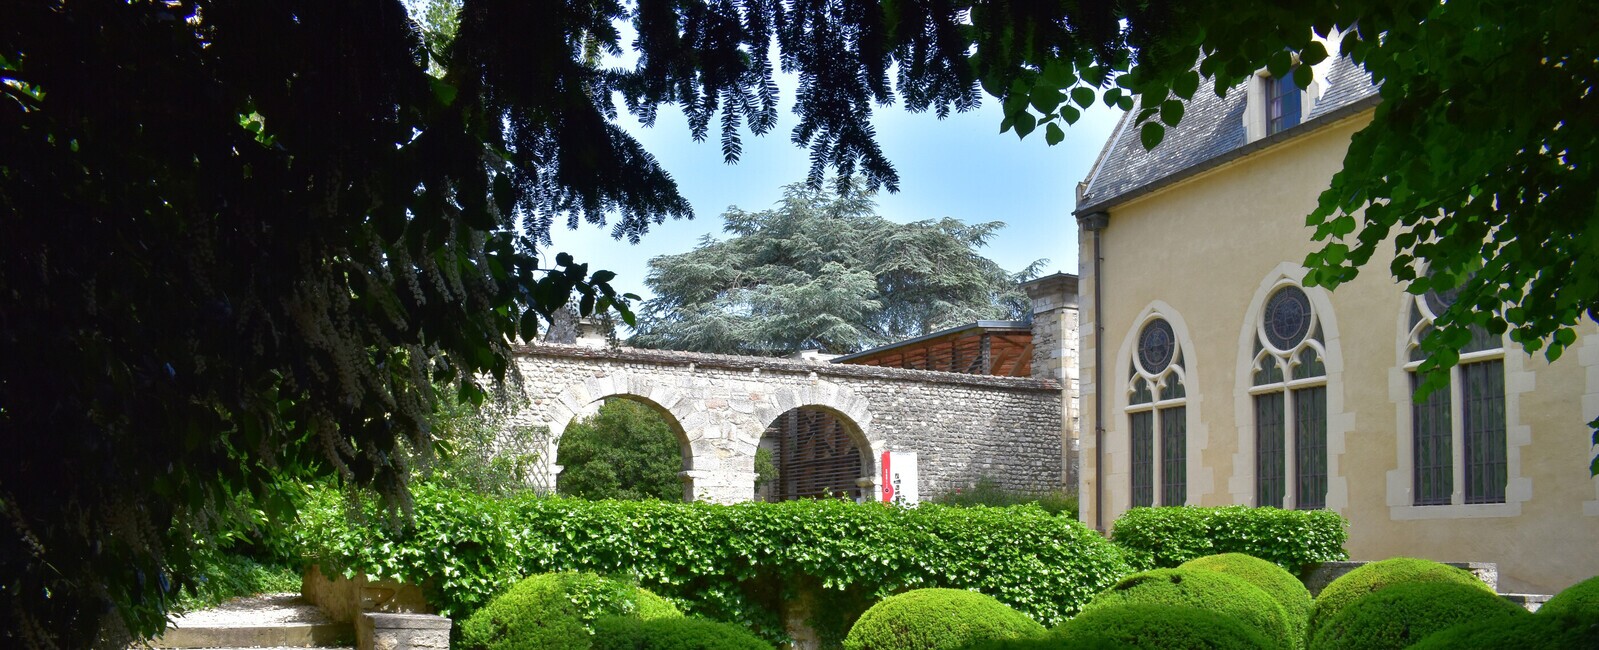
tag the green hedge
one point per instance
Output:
(729, 563)
(623, 633)
(938, 619)
(1581, 599)
(1376, 576)
(1281, 585)
(1168, 536)
(557, 611)
(1401, 615)
(1516, 633)
(1159, 627)
(1207, 590)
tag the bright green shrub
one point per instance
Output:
(1516, 633)
(1581, 599)
(1150, 626)
(721, 562)
(1207, 590)
(938, 619)
(1403, 614)
(556, 610)
(1282, 586)
(1379, 575)
(1168, 536)
(622, 633)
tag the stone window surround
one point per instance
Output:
(1518, 381)
(1118, 434)
(1588, 359)
(1340, 420)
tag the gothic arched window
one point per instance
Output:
(1157, 417)
(1289, 390)
(1457, 431)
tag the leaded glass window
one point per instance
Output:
(1289, 390)
(1157, 418)
(1458, 446)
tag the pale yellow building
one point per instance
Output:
(1211, 376)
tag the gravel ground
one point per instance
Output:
(262, 610)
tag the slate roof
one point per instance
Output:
(1212, 127)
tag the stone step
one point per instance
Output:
(284, 635)
(268, 620)
(1530, 602)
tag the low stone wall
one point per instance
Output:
(344, 600)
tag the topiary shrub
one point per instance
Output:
(1207, 590)
(623, 633)
(555, 610)
(1516, 633)
(1281, 585)
(1581, 600)
(1379, 575)
(936, 619)
(1403, 614)
(1158, 627)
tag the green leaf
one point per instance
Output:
(1279, 64)
(1025, 123)
(1083, 96)
(1071, 115)
(1053, 134)
(1171, 112)
(1186, 84)
(1151, 134)
(1303, 75)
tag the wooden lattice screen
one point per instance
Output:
(815, 456)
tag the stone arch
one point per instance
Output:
(1200, 478)
(677, 410)
(851, 409)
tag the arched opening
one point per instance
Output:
(626, 447)
(811, 452)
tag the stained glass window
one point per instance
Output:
(1157, 420)
(1156, 346)
(1290, 407)
(1474, 423)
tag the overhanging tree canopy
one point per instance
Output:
(242, 239)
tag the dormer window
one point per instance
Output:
(1282, 104)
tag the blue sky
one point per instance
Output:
(960, 167)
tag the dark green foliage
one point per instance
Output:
(721, 562)
(1168, 536)
(987, 492)
(1380, 575)
(1402, 614)
(1538, 632)
(1581, 599)
(556, 610)
(472, 451)
(1281, 585)
(222, 577)
(620, 633)
(937, 619)
(626, 451)
(1207, 590)
(823, 271)
(1149, 626)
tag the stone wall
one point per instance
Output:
(1055, 346)
(962, 427)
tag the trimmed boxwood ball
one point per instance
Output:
(623, 633)
(1517, 633)
(1278, 583)
(1581, 599)
(936, 619)
(1158, 627)
(1378, 575)
(1403, 614)
(1208, 590)
(555, 610)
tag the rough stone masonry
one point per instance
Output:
(962, 427)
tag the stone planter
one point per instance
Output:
(345, 600)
